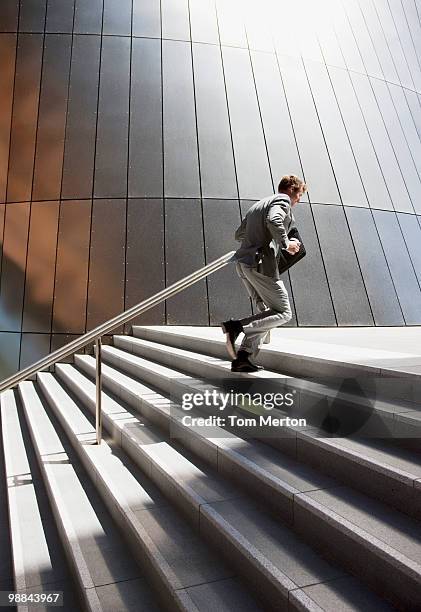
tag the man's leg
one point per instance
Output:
(273, 294)
(257, 300)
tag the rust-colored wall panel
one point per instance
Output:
(107, 253)
(7, 72)
(72, 266)
(39, 281)
(24, 120)
(13, 267)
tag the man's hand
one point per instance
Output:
(293, 246)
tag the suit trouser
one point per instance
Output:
(270, 298)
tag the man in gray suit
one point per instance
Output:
(263, 232)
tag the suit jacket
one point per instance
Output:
(263, 232)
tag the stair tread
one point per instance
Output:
(393, 406)
(189, 559)
(36, 548)
(280, 546)
(99, 555)
(412, 467)
(381, 524)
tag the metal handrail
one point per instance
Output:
(99, 331)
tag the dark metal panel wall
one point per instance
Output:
(401, 267)
(415, 107)
(129, 156)
(32, 15)
(385, 153)
(88, 16)
(78, 165)
(33, 347)
(15, 240)
(145, 263)
(399, 143)
(9, 356)
(113, 119)
(41, 257)
(367, 161)
(252, 163)
(343, 160)
(314, 155)
(411, 230)
(146, 18)
(106, 261)
(117, 17)
(60, 16)
(313, 301)
(59, 340)
(227, 295)
(380, 288)
(9, 10)
(2, 215)
(217, 170)
(72, 262)
(407, 122)
(181, 164)
(184, 253)
(146, 156)
(280, 138)
(342, 267)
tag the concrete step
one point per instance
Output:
(323, 513)
(388, 473)
(37, 554)
(106, 574)
(303, 359)
(238, 526)
(376, 417)
(180, 565)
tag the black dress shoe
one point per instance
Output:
(232, 329)
(243, 363)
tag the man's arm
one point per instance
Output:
(275, 223)
(240, 233)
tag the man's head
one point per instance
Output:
(293, 186)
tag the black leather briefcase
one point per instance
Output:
(285, 259)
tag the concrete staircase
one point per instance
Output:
(163, 516)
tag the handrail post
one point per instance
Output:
(98, 383)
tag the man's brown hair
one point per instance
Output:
(290, 181)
